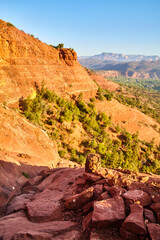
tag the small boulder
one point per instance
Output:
(134, 223)
(104, 196)
(106, 188)
(156, 198)
(155, 207)
(18, 203)
(79, 200)
(98, 189)
(33, 181)
(87, 221)
(45, 206)
(115, 190)
(108, 211)
(112, 181)
(149, 216)
(93, 163)
(80, 182)
(5, 197)
(154, 231)
(91, 177)
(137, 196)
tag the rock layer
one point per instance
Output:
(25, 62)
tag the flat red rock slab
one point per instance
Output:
(137, 196)
(18, 222)
(154, 231)
(45, 206)
(18, 203)
(91, 177)
(135, 222)
(108, 211)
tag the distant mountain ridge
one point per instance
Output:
(140, 66)
(121, 57)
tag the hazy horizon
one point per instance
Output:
(118, 54)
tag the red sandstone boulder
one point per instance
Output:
(149, 216)
(112, 181)
(33, 181)
(115, 190)
(98, 189)
(90, 177)
(154, 231)
(18, 203)
(155, 207)
(79, 200)
(106, 188)
(108, 211)
(134, 223)
(5, 197)
(45, 206)
(87, 221)
(18, 222)
(104, 196)
(80, 182)
(156, 198)
(137, 196)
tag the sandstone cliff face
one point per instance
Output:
(22, 142)
(25, 62)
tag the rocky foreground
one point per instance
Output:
(90, 203)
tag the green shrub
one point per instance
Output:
(50, 121)
(60, 46)
(92, 99)
(26, 175)
(62, 153)
(5, 104)
(10, 24)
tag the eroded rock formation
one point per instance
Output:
(26, 61)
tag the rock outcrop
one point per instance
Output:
(26, 61)
(67, 203)
(22, 142)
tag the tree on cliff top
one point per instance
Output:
(60, 45)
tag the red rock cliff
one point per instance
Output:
(25, 62)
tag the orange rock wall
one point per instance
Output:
(25, 62)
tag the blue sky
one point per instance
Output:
(90, 26)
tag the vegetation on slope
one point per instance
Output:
(145, 95)
(61, 118)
